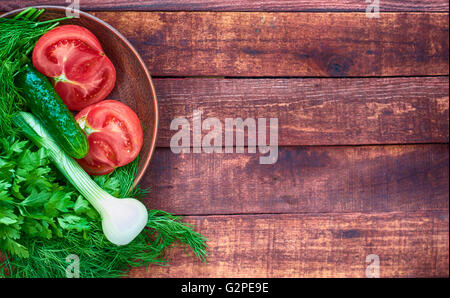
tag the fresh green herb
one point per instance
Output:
(120, 182)
(33, 201)
(17, 39)
(101, 259)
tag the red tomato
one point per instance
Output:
(73, 57)
(114, 133)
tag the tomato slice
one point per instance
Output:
(114, 133)
(74, 59)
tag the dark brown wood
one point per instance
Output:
(287, 44)
(304, 179)
(316, 245)
(242, 5)
(319, 211)
(316, 111)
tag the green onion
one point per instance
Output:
(122, 219)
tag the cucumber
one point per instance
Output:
(46, 104)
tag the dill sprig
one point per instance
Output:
(168, 230)
(20, 33)
(101, 259)
(120, 182)
(18, 36)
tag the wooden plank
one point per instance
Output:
(316, 111)
(304, 179)
(242, 5)
(315, 245)
(287, 44)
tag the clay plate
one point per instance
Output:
(134, 85)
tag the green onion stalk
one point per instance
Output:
(122, 219)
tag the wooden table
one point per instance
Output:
(363, 109)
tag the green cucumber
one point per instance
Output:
(45, 103)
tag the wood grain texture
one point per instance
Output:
(318, 211)
(304, 179)
(240, 5)
(287, 44)
(316, 111)
(316, 245)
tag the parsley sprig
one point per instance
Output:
(32, 200)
